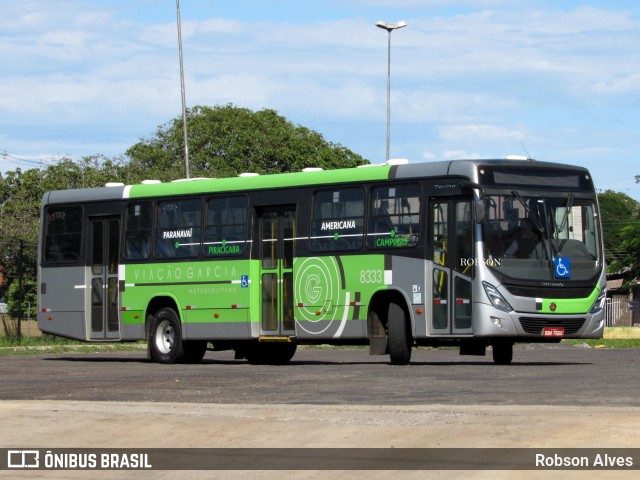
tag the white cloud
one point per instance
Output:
(457, 154)
(472, 83)
(485, 133)
(619, 86)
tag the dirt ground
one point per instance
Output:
(73, 424)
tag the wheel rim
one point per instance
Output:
(165, 337)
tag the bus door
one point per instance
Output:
(277, 232)
(102, 291)
(451, 231)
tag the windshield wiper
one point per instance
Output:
(558, 245)
(566, 215)
(534, 218)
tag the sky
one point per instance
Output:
(558, 81)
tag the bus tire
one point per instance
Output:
(165, 339)
(399, 337)
(270, 353)
(283, 353)
(502, 353)
(194, 350)
(255, 354)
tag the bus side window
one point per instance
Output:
(226, 228)
(338, 220)
(464, 236)
(63, 237)
(394, 217)
(439, 232)
(138, 231)
(178, 228)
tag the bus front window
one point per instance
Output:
(525, 236)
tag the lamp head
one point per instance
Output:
(390, 26)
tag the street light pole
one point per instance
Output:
(184, 107)
(389, 27)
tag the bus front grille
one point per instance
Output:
(535, 325)
(549, 292)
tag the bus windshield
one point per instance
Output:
(536, 238)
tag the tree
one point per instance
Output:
(88, 172)
(621, 229)
(29, 299)
(19, 213)
(631, 247)
(20, 199)
(226, 140)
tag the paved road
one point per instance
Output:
(553, 396)
(540, 375)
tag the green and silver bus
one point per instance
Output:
(466, 253)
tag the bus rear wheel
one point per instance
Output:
(399, 337)
(165, 339)
(194, 350)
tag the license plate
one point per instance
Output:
(553, 332)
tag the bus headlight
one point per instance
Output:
(495, 298)
(599, 303)
(496, 321)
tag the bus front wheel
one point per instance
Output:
(165, 339)
(399, 337)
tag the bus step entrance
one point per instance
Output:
(275, 338)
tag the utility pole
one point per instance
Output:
(20, 288)
(184, 106)
(389, 27)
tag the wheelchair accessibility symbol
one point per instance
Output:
(562, 267)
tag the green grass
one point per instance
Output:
(606, 343)
(49, 344)
(35, 341)
(621, 332)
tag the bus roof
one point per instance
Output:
(461, 168)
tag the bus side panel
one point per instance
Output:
(132, 332)
(217, 324)
(132, 325)
(328, 295)
(409, 277)
(213, 298)
(61, 301)
(332, 294)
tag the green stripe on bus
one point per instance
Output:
(233, 184)
(570, 306)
